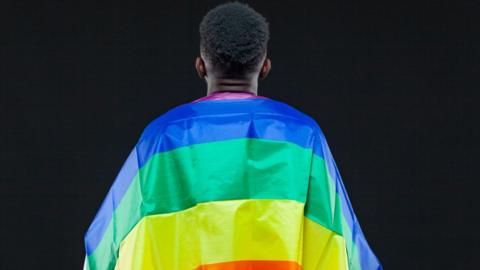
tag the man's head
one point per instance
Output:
(233, 43)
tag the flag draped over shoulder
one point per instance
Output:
(226, 183)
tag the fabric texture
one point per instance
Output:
(230, 181)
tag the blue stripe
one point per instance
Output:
(215, 120)
(114, 196)
(204, 122)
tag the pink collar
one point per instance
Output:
(229, 95)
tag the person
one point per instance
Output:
(231, 180)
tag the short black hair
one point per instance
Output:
(234, 37)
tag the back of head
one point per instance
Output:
(233, 38)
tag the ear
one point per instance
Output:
(200, 67)
(266, 66)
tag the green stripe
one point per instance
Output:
(247, 168)
(352, 251)
(124, 219)
(325, 207)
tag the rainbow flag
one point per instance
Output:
(231, 181)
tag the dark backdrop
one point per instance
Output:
(392, 83)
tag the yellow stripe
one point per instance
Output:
(226, 231)
(215, 232)
(322, 248)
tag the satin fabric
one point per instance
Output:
(229, 182)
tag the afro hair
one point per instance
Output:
(233, 37)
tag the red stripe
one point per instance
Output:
(251, 265)
(229, 95)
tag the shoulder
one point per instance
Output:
(159, 122)
(264, 108)
(318, 136)
(296, 113)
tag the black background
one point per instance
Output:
(393, 84)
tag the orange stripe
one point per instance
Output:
(251, 265)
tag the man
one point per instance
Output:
(232, 180)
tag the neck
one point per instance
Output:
(215, 84)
